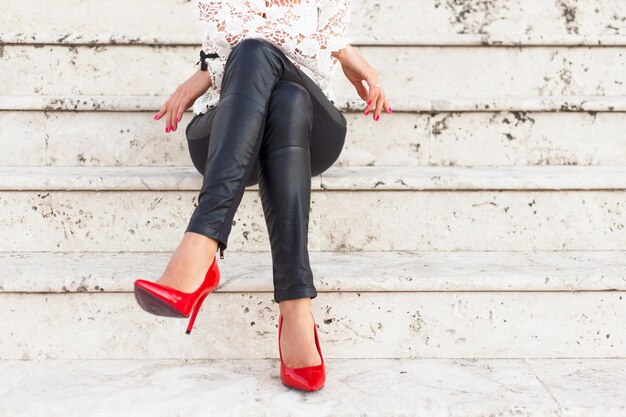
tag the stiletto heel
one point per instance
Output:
(162, 300)
(310, 378)
(195, 313)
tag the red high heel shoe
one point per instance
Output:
(309, 378)
(162, 300)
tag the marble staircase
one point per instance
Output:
(376, 387)
(469, 250)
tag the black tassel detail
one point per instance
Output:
(203, 56)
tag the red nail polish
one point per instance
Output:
(367, 112)
(155, 116)
(167, 130)
(177, 119)
(369, 101)
(390, 111)
(377, 117)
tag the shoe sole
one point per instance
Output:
(154, 305)
(303, 390)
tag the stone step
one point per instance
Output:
(352, 178)
(496, 138)
(556, 324)
(369, 305)
(408, 103)
(425, 388)
(363, 272)
(398, 21)
(360, 39)
(444, 208)
(429, 70)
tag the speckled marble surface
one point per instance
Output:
(410, 139)
(448, 304)
(442, 70)
(366, 178)
(406, 103)
(396, 220)
(425, 388)
(334, 271)
(426, 22)
(553, 324)
(351, 271)
(584, 388)
(399, 21)
(409, 304)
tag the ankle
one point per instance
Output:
(200, 242)
(296, 308)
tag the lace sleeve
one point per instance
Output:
(227, 23)
(313, 50)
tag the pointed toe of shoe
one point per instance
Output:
(308, 379)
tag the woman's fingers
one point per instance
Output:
(387, 107)
(361, 90)
(373, 96)
(163, 109)
(373, 93)
(174, 111)
(376, 98)
(165, 112)
(186, 101)
(169, 119)
(182, 106)
(379, 104)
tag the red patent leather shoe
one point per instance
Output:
(309, 378)
(162, 300)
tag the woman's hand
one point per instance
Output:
(183, 98)
(358, 70)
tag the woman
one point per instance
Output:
(264, 113)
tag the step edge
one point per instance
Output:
(147, 39)
(351, 178)
(410, 104)
(335, 272)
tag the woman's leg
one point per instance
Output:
(285, 189)
(253, 67)
(261, 129)
(304, 136)
(300, 121)
(194, 254)
(236, 126)
(251, 72)
(300, 117)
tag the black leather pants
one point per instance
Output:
(272, 126)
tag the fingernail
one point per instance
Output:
(369, 101)
(390, 111)
(367, 112)
(155, 116)
(167, 130)
(377, 117)
(177, 119)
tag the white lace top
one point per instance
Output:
(307, 31)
